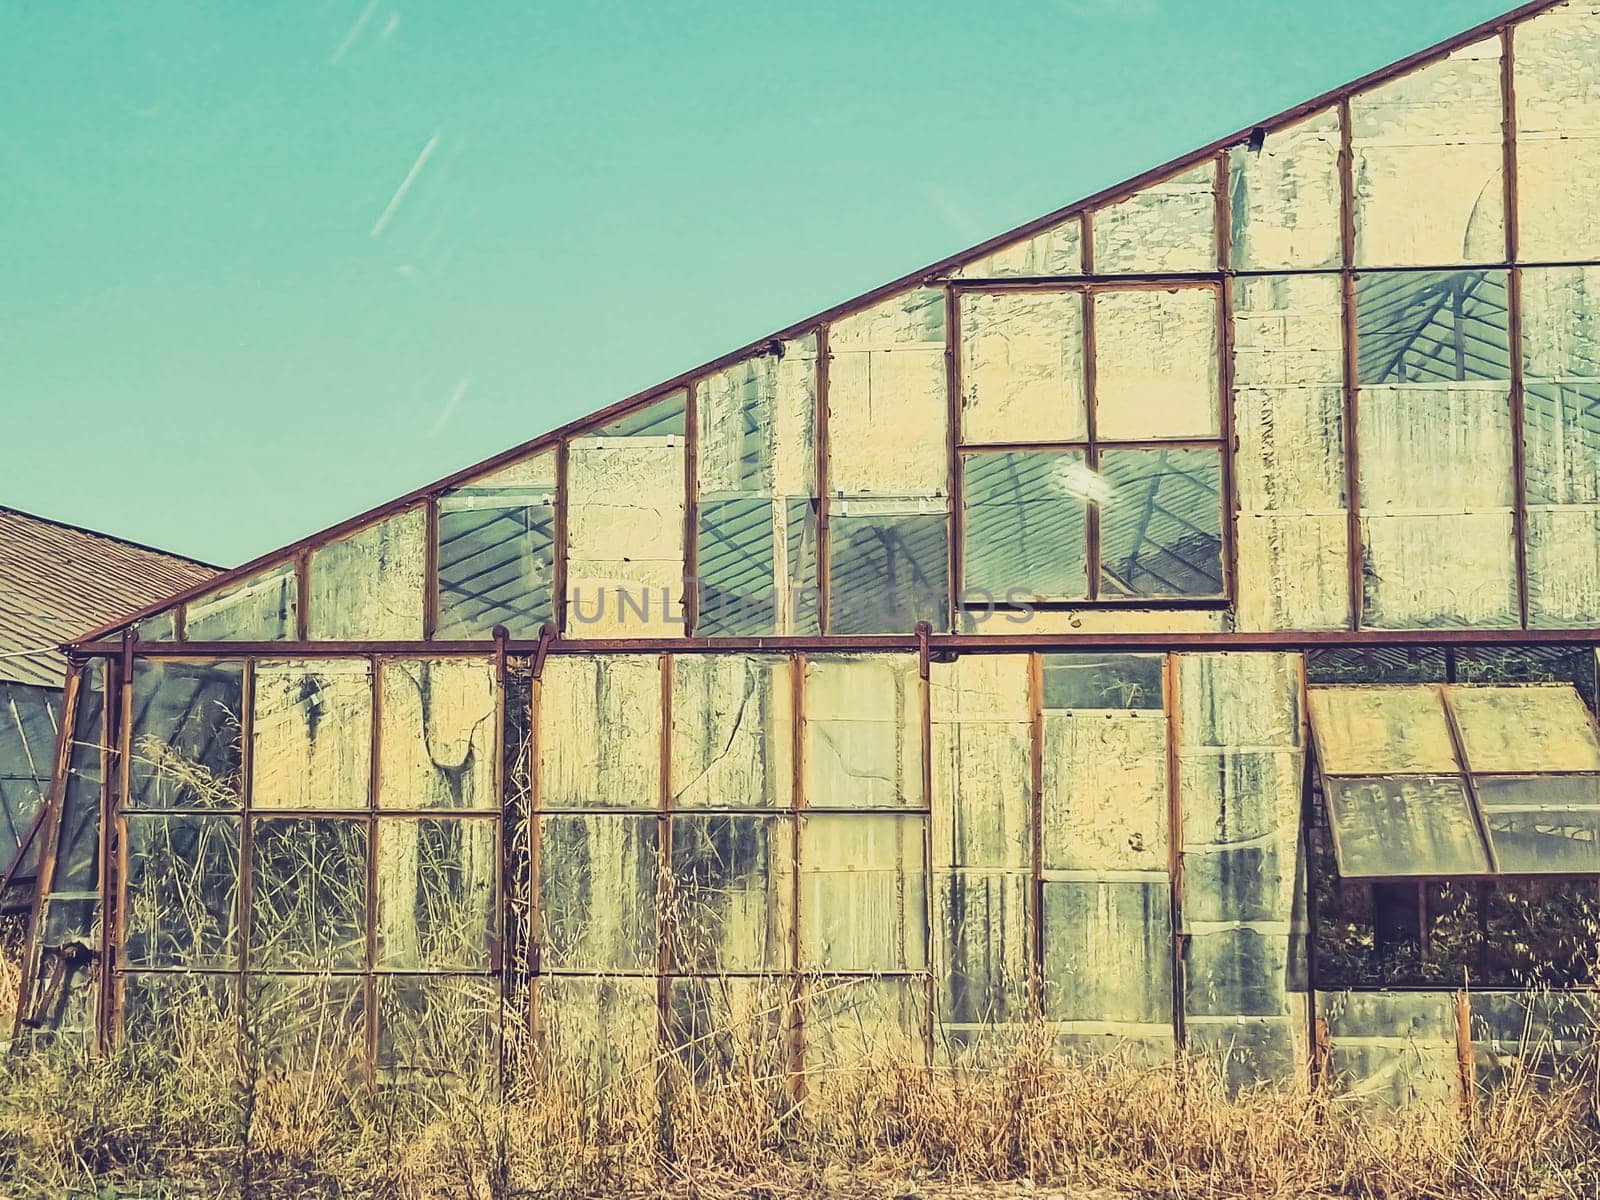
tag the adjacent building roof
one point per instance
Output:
(56, 580)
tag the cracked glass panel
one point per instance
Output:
(1512, 729)
(368, 585)
(887, 413)
(186, 731)
(1161, 523)
(1381, 731)
(263, 607)
(182, 891)
(311, 734)
(308, 893)
(889, 565)
(307, 1025)
(1557, 86)
(730, 894)
(863, 732)
(1285, 197)
(1156, 364)
(437, 894)
(1429, 158)
(625, 506)
(1022, 367)
(732, 731)
(497, 552)
(1548, 825)
(1024, 525)
(1167, 226)
(599, 735)
(1055, 251)
(862, 892)
(1409, 827)
(597, 892)
(436, 747)
(1108, 955)
(433, 1026)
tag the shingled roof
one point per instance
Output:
(56, 580)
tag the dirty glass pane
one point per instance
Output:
(1428, 571)
(1167, 226)
(186, 734)
(1108, 951)
(1381, 730)
(625, 505)
(1055, 251)
(889, 566)
(1285, 197)
(1233, 701)
(757, 567)
(1406, 827)
(1557, 85)
(368, 585)
(182, 888)
(1431, 327)
(756, 423)
(29, 717)
(599, 1031)
(159, 627)
(1161, 523)
(1238, 972)
(436, 747)
(599, 734)
(71, 909)
(863, 732)
(1022, 367)
(1156, 364)
(728, 1029)
(497, 552)
(1548, 825)
(732, 731)
(887, 413)
(1515, 729)
(863, 892)
(308, 1025)
(982, 777)
(659, 418)
(1024, 525)
(260, 608)
(169, 1012)
(432, 1026)
(308, 893)
(312, 734)
(1103, 681)
(437, 894)
(853, 1025)
(1428, 164)
(982, 948)
(730, 897)
(597, 892)
(1105, 790)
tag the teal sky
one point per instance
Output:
(263, 266)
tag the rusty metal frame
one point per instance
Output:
(1034, 910)
(1514, 344)
(1354, 553)
(1175, 852)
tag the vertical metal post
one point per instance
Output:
(558, 587)
(1175, 851)
(666, 900)
(1035, 905)
(247, 720)
(1225, 336)
(955, 562)
(113, 848)
(1352, 364)
(691, 507)
(1519, 519)
(374, 784)
(430, 568)
(502, 909)
(534, 947)
(796, 1057)
(824, 506)
(929, 885)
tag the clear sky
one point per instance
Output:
(265, 265)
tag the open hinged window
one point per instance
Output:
(1440, 781)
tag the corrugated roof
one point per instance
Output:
(56, 580)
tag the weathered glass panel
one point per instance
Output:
(730, 899)
(1161, 523)
(437, 1026)
(1394, 1050)
(1167, 226)
(1548, 825)
(1105, 790)
(1108, 952)
(1431, 327)
(368, 585)
(663, 417)
(1103, 681)
(1382, 731)
(599, 732)
(1398, 828)
(1022, 376)
(1557, 85)
(757, 423)
(887, 413)
(310, 1026)
(497, 552)
(862, 892)
(982, 776)
(1285, 197)
(311, 734)
(863, 732)
(1511, 729)
(72, 907)
(438, 737)
(28, 727)
(731, 1030)
(889, 565)
(308, 893)
(263, 607)
(597, 892)
(158, 627)
(168, 1012)
(1156, 363)
(855, 1024)
(1236, 971)
(757, 569)
(1428, 165)
(185, 741)
(437, 893)
(1024, 520)
(1055, 251)
(182, 891)
(981, 946)
(599, 1031)
(732, 731)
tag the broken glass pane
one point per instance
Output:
(1515, 729)
(312, 734)
(263, 607)
(1548, 825)
(1167, 226)
(1156, 363)
(497, 552)
(1557, 86)
(368, 585)
(308, 893)
(432, 1026)
(1055, 251)
(1108, 951)
(732, 731)
(437, 895)
(308, 1026)
(1285, 193)
(436, 748)
(599, 734)
(730, 899)
(1024, 526)
(1381, 731)
(863, 903)
(889, 565)
(863, 732)
(597, 892)
(1429, 157)
(1022, 367)
(186, 735)
(1161, 523)
(182, 884)
(1398, 828)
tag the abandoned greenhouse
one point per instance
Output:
(1174, 620)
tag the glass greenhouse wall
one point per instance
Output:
(1118, 626)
